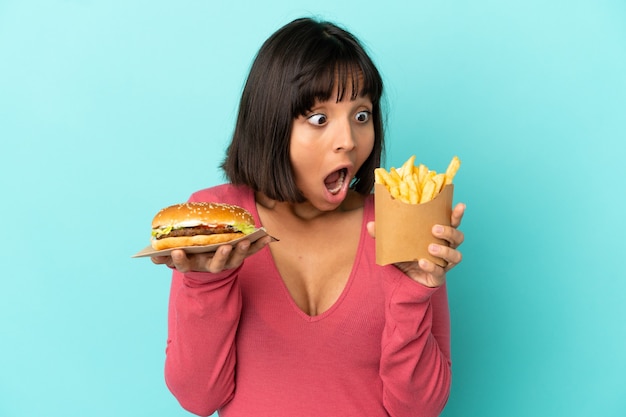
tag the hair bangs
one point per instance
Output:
(345, 78)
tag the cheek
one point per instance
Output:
(301, 158)
(298, 163)
(298, 151)
(295, 152)
(366, 144)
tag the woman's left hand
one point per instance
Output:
(428, 273)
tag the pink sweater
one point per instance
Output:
(237, 342)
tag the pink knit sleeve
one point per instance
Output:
(415, 360)
(204, 313)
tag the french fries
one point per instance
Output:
(416, 184)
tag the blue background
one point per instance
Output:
(110, 110)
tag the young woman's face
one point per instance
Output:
(328, 146)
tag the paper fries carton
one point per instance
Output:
(404, 231)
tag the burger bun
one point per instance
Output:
(193, 214)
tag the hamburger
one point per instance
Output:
(199, 224)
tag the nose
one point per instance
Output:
(345, 138)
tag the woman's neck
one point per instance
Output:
(306, 211)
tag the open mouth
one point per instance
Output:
(335, 181)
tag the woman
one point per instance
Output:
(309, 325)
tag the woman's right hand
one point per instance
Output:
(226, 257)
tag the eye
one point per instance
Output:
(317, 119)
(363, 116)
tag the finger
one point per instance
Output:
(437, 275)
(237, 254)
(371, 229)
(180, 261)
(217, 262)
(457, 215)
(259, 244)
(450, 255)
(430, 267)
(245, 249)
(450, 234)
(160, 260)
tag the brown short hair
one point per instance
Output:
(297, 65)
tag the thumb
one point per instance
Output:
(371, 229)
